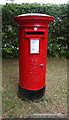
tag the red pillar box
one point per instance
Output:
(33, 43)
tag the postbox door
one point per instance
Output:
(38, 61)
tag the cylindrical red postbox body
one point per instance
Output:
(33, 41)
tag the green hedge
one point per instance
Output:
(57, 43)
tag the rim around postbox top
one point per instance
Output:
(31, 17)
(35, 16)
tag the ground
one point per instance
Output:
(55, 99)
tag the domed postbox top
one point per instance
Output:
(33, 14)
(34, 18)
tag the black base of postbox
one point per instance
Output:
(33, 95)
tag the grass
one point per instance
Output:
(55, 99)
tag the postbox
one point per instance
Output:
(33, 44)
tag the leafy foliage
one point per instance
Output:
(57, 44)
